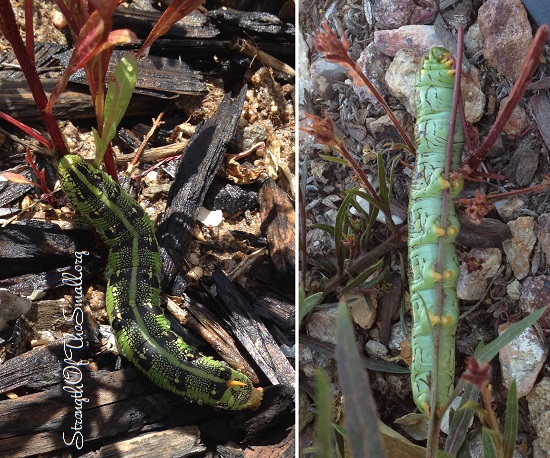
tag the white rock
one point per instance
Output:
(523, 359)
(210, 218)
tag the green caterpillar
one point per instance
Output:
(133, 267)
(434, 89)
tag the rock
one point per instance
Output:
(518, 249)
(513, 290)
(376, 349)
(507, 209)
(397, 336)
(390, 14)
(401, 76)
(473, 41)
(374, 65)
(522, 359)
(472, 284)
(543, 235)
(506, 35)
(383, 129)
(539, 411)
(535, 294)
(519, 120)
(324, 75)
(472, 95)
(11, 307)
(321, 324)
(362, 308)
(420, 37)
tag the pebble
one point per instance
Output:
(506, 35)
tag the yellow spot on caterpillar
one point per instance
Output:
(426, 409)
(444, 183)
(436, 276)
(234, 383)
(452, 230)
(443, 320)
(451, 72)
(448, 274)
(439, 231)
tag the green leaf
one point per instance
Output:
(489, 449)
(306, 304)
(338, 160)
(117, 100)
(511, 422)
(322, 441)
(360, 279)
(489, 351)
(461, 421)
(324, 227)
(359, 407)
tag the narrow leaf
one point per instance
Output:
(306, 304)
(511, 422)
(461, 421)
(16, 178)
(489, 450)
(118, 98)
(322, 442)
(359, 408)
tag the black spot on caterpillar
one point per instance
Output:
(434, 89)
(133, 304)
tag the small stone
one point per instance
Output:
(507, 209)
(210, 218)
(401, 76)
(321, 324)
(324, 75)
(376, 349)
(397, 336)
(522, 359)
(513, 290)
(420, 37)
(473, 41)
(374, 65)
(518, 249)
(362, 307)
(535, 294)
(539, 411)
(506, 34)
(473, 284)
(11, 307)
(390, 14)
(519, 120)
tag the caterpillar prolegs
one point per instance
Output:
(133, 267)
(434, 89)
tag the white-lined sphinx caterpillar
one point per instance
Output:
(133, 304)
(434, 88)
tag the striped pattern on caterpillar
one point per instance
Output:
(133, 304)
(434, 89)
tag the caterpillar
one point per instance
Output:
(132, 300)
(433, 90)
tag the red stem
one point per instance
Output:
(9, 29)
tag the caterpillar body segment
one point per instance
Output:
(434, 89)
(133, 298)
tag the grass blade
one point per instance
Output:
(511, 423)
(359, 408)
